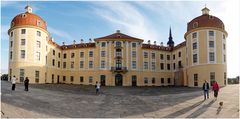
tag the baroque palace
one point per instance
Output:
(118, 59)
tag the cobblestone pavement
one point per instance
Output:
(62, 100)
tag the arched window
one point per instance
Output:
(195, 24)
(118, 44)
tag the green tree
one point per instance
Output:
(4, 77)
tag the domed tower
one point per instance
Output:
(27, 41)
(206, 49)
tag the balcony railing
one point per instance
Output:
(119, 69)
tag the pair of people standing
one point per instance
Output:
(97, 86)
(206, 88)
(26, 83)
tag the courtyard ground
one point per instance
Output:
(63, 100)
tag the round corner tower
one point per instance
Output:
(206, 48)
(27, 40)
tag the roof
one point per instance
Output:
(28, 19)
(205, 20)
(81, 45)
(119, 36)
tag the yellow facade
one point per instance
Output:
(118, 59)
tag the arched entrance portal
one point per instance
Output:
(118, 80)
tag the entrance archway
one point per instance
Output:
(118, 80)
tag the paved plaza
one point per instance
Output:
(62, 100)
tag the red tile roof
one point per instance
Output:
(117, 35)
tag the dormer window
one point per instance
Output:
(211, 17)
(12, 24)
(195, 24)
(38, 23)
(24, 15)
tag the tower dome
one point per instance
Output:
(205, 20)
(28, 18)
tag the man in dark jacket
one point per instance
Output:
(205, 89)
(26, 83)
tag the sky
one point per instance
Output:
(148, 20)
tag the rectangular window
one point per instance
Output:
(23, 42)
(224, 58)
(59, 55)
(211, 44)
(145, 55)
(52, 78)
(179, 54)
(134, 66)
(102, 64)
(223, 36)
(90, 79)
(145, 65)
(194, 46)
(64, 78)
(195, 79)
(211, 33)
(90, 53)
(81, 79)
(23, 31)
(162, 80)
(103, 44)
(211, 56)
(153, 55)
(37, 76)
(224, 46)
(81, 64)
(168, 66)
(72, 65)
(161, 57)
(169, 80)
(194, 35)
(145, 80)
(90, 64)
(58, 64)
(81, 54)
(153, 80)
(168, 57)
(72, 78)
(23, 54)
(134, 45)
(53, 52)
(173, 57)
(11, 34)
(72, 55)
(10, 55)
(180, 64)
(212, 77)
(174, 66)
(53, 62)
(153, 65)
(38, 56)
(64, 56)
(103, 53)
(64, 65)
(38, 44)
(21, 75)
(162, 66)
(195, 59)
(38, 33)
(134, 54)
(225, 75)
(11, 43)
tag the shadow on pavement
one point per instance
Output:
(201, 110)
(183, 111)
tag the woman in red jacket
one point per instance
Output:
(215, 88)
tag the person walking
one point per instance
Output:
(97, 87)
(14, 82)
(26, 83)
(215, 89)
(205, 89)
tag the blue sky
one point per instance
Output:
(75, 20)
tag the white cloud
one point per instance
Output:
(126, 17)
(61, 34)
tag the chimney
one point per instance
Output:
(161, 44)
